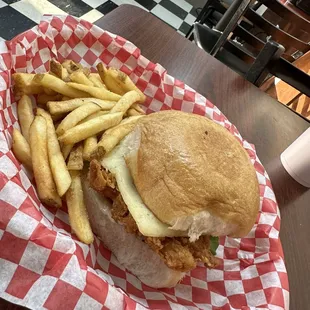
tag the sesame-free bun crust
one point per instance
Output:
(186, 165)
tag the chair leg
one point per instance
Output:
(200, 16)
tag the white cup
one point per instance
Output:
(296, 159)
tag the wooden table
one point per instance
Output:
(260, 119)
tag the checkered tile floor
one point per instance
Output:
(17, 16)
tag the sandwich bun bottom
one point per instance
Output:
(131, 252)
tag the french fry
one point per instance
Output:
(75, 161)
(43, 98)
(42, 172)
(114, 135)
(100, 93)
(117, 81)
(71, 66)
(78, 216)
(24, 84)
(76, 116)
(66, 149)
(126, 102)
(90, 144)
(135, 110)
(64, 98)
(95, 78)
(137, 107)
(25, 115)
(21, 149)
(57, 69)
(94, 115)
(61, 107)
(80, 78)
(58, 85)
(132, 112)
(90, 128)
(57, 163)
(49, 91)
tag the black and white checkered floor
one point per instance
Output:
(17, 16)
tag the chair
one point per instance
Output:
(257, 58)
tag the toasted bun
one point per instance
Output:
(193, 174)
(131, 252)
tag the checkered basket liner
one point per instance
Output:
(43, 265)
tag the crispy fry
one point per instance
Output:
(58, 85)
(94, 115)
(61, 107)
(71, 66)
(90, 144)
(132, 112)
(76, 116)
(42, 172)
(114, 135)
(66, 149)
(100, 93)
(57, 163)
(90, 128)
(80, 78)
(75, 161)
(57, 69)
(117, 81)
(49, 91)
(126, 102)
(43, 98)
(64, 98)
(24, 84)
(78, 216)
(21, 149)
(137, 107)
(95, 78)
(25, 115)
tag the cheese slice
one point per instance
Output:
(148, 224)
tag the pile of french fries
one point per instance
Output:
(80, 116)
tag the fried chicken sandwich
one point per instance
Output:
(161, 198)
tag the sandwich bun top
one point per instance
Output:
(193, 173)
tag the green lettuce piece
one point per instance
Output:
(214, 243)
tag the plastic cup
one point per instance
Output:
(296, 159)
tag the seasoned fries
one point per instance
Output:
(74, 108)
(61, 107)
(76, 158)
(66, 149)
(117, 81)
(126, 102)
(24, 84)
(58, 85)
(114, 135)
(81, 78)
(42, 172)
(96, 80)
(76, 116)
(90, 145)
(21, 149)
(78, 216)
(100, 93)
(25, 115)
(57, 69)
(71, 66)
(90, 128)
(43, 98)
(57, 163)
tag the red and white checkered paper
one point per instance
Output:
(43, 265)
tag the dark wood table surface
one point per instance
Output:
(260, 119)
